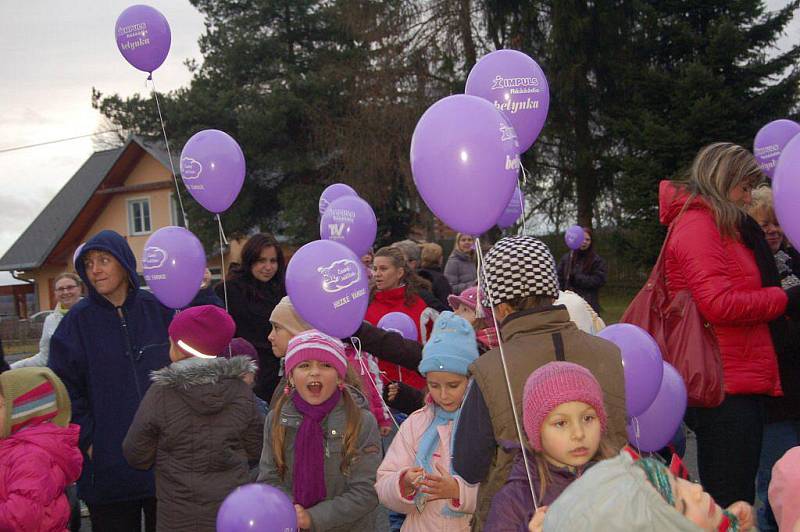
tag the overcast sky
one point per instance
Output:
(52, 52)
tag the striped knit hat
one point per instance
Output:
(315, 345)
(33, 396)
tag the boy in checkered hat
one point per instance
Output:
(520, 283)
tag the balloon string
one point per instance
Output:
(222, 242)
(525, 175)
(169, 153)
(508, 379)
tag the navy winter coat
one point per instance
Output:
(105, 355)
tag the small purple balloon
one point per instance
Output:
(515, 84)
(574, 237)
(213, 168)
(399, 323)
(771, 140)
(143, 37)
(465, 161)
(173, 263)
(513, 210)
(654, 428)
(334, 192)
(642, 365)
(77, 254)
(786, 191)
(329, 287)
(351, 221)
(256, 507)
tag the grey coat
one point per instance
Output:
(200, 426)
(460, 271)
(352, 501)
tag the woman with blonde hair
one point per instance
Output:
(460, 269)
(712, 253)
(69, 289)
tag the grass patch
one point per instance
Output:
(23, 347)
(614, 302)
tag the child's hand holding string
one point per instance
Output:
(392, 394)
(303, 519)
(442, 486)
(744, 513)
(537, 522)
(410, 480)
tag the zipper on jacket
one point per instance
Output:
(129, 349)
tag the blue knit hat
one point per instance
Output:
(452, 347)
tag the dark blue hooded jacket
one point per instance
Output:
(105, 355)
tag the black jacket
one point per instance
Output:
(441, 286)
(586, 282)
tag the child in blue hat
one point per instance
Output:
(416, 477)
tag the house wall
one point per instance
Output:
(43, 278)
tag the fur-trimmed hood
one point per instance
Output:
(206, 384)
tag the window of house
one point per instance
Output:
(176, 217)
(139, 216)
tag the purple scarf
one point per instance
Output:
(308, 471)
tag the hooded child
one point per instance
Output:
(565, 422)
(416, 478)
(321, 444)
(199, 424)
(39, 455)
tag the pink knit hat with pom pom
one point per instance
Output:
(554, 384)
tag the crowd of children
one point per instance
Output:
(516, 419)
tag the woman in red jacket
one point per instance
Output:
(395, 289)
(711, 253)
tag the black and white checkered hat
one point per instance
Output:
(518, 266)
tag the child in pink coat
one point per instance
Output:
(39, 455)
(416, 476)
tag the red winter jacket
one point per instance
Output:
(724, 280)
(387, 301)
(36, 465)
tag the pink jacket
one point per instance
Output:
(371, 383)
(784, 490)
(36, 465)
(401, 457)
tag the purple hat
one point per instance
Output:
(241, 347)
(468, 298)
(203, 331)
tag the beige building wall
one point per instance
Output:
(44, 278)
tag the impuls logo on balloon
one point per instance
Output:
(339, 275)
(153, 257)
(499, 82)
(135, 34)
(507, 133)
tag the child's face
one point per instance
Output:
(249, 378)
(279, 338)
(315, 381)
(466, 313)
(447, 389)
(698, 506)
(571, 434)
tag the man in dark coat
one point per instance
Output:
(104, 350)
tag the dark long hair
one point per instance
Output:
(586, 256)
(251, 252)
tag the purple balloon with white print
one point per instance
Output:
(641, 363)
(173, 264)
(574, 237)
(143, 37)
(654, 428)
(401, 323)
(465, 162)
(255, 507)
(516, 85)
(332, 193)
(786, 191)
(329, 287)
(350, 220)
(770, 142)
(213, 168)
(513, 210)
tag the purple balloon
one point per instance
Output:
(516, 85)
(513, 210)
(329, 287)
(770, 142)
(642, 364)
(465, 161)
(212, 168)
(350, 221)
(334, 192)
(173, 262)
(654, 428)
(786, 191)
(400, 323)
(574, 237)
(143, 37)
(255, 507)
(77, 254)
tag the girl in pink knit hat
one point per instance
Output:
(565, 423)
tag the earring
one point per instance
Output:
(287, 389)
(341, 386)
